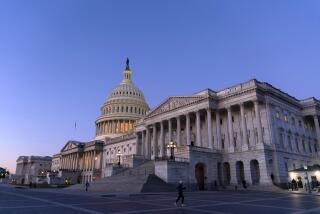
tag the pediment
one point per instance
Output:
(69, 145)
(173, 103)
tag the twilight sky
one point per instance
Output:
(60, 58)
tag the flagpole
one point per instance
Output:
(75, 130)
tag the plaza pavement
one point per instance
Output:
(46, 201)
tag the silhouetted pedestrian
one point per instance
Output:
(87, 186)
(244, 184)
(180, 189)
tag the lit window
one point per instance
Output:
(277, 115)
(286, 118)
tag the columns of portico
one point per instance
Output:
(138, 146)
(258, 121)
(316, 122)
(154, 141)
(244, 128)
(178, 131)
(161, 140)
(188, 129)
(77, 161)
(94, 160)
(67, 161)
(72, 161)
(169, 130)
(117, 126)
(209, 124)
(89, 160)
(198, 131)
(61, 162)
(230, 130)
(147, 145)
(218, 129)
(143, 148)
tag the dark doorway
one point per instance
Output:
(240, 171)
(200, 176)
(255, 171)
(226, 173)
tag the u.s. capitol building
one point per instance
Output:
(251, 131)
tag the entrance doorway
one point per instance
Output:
(200, 176)
(239, 171)
(255, 171)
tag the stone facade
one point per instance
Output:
(251, 131)
(32, 169)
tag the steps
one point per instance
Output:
(130, 180)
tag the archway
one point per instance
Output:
(255, 171)
(226, 173)
(200, 175)
(240, 172)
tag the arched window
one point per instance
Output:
(127, 108)
(131, 109)
(135, 109)
(118, 108)
(121, 108)
(139, 111)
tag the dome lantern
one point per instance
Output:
(127, 72)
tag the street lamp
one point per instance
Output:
(171, 146)
(119, 155)
(307, 177)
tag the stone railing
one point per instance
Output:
(174, 159)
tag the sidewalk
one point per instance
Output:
(304, 192)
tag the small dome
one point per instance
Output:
(125, 105)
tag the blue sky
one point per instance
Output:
(59, 59)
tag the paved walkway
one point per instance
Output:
(13, 200)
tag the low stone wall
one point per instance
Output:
(172, 171)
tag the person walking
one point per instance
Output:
(180, 189)
(87, 186)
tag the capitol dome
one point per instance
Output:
(124, 106)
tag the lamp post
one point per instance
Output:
(171, 146)
(307, 177)
(119, 155)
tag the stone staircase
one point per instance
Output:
(132, 180)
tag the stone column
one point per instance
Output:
(94, 159)
(258, 121)
(143, 152)
(188, 128)
(89, 160)
(148, 146)
(154, 141)
(161, 140)
(230, 129)
(169, 131)
(71, 161)
(209, 123)
(77, 162)
(138, 146)
(218, 130)
(316, 122)
(245, 142)
(118, 129)
(178, 131)
(198, 140)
